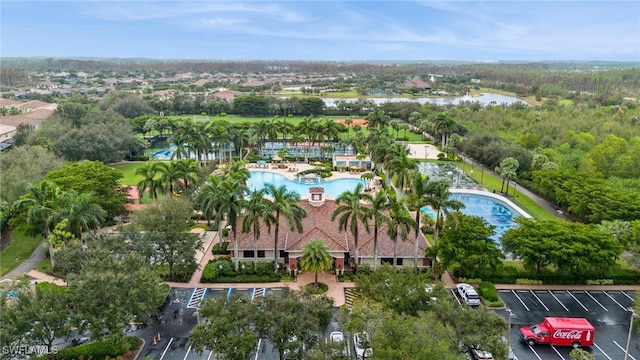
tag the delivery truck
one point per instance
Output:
(559, 331)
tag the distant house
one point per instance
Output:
(416, 82)
(318, 225)
(227, 95)
(6, 136)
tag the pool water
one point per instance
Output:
(494, 211)
(332, 188)
(428, 210)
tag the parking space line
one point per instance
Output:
(519, 299)
(627, 295)
(614, 300)
(534, 352)
(187, 354)
(603, 353)
(557, 352)
(558, 300)
(540, 301)
(210, 353)
(623, 350)
(166, 349)
(258, 350)
(596, 301)
(578, 301)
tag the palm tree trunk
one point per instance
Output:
(316, 278)
(355, 240)
(236, 260)
(436, 229)
(415, 248)
(255, 249)
(275, 245)
(375, 247)
(395, 253)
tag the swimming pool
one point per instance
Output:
(497, 212)
(332, 188)
(428, 211)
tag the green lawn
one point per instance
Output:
(18, 251)
(494, 183)
(128, 170)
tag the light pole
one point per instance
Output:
(426, 152)
(511, 315)
(450, 173)
(633, 316)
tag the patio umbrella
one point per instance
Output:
(316, 163)
(277, 158)
(354, 168)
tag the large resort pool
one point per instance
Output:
(332, 188)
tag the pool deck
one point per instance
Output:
(291, 175)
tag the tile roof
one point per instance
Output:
(318, 224)
(33, 118)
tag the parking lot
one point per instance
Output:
(179, 316)
(606, 310)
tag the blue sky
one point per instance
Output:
(324, 30)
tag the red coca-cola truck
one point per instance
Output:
(576, 332)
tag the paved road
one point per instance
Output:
(29, 264)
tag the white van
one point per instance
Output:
(468, 294)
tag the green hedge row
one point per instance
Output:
(510, 275)
(98, 350)
(223, 271)
(490, 294)
(220, 248)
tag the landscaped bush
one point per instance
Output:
(528, 282)
(470, 281)
(220, 248)
(346, 277)
(209, 273)
(600, 282)
(98, 350)
(489, 294)
(264, 268)
(364, 269)
(223, 271)
(248, 278)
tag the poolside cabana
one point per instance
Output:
(351, 162)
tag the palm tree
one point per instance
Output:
(400, 166)
(284, 203)
(316, 257)
(83, 213)
(188, 170)
(351, 212)
(379, 205)
(150, 181)
(232, 205)
(508, 170)
(41, 206)
(400, 223)
(257, 211)
(443, 126)
(209, 199)
(169, 175)
(437, 196)
(418, 192)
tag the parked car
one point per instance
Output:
(481, 355)
(360, 343)
(468, 294)
(337, 339)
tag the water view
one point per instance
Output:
(484, 99)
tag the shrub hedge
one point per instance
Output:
(489, 294)
(220, 248)
(223, 271)
(510, 275)
(98, 350)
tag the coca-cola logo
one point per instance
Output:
(571, 334)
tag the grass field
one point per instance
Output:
(18, 251)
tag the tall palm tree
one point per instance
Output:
(169, 175)
(368, 177)
(209, 199)
(233, 202)
(188, 170)
(316, 257)
(400, 224)
(42, 207)
(437, 196)
(443, 125)
(417, 201)
(377, 212)
(83, 213)
(257, 211)
(150, 180)
(284, 203)
(351, 212)
(400, 167)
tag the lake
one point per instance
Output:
(484, 99)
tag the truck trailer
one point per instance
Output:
(559, 331)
